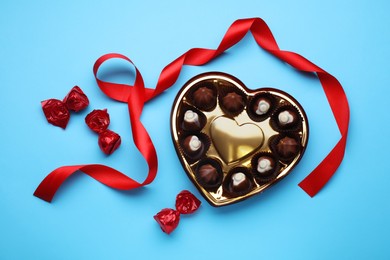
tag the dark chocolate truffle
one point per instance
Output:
(287, 147)
(265, 165)
(287, 118)
(233, 102)
(204, 98)
(261, 106)
(191, 121)
(209, 176)
(193, 146)
(239, 183)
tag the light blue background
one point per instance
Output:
(47, 47)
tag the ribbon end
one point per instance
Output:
(308, 189)
(44, 197)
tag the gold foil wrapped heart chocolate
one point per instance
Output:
(243, 139)
(234, 142)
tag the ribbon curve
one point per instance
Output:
(136, 95)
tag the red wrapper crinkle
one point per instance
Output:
(76, 100)
(109, 141)
(56, 112)
(186, 202)
(168, 219)
(98, 120)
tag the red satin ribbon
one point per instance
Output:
(136, 96)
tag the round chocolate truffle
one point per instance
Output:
(193, 146)
(209, 176)
(261, 106)
(239, 183)
(204, 98)
(233, 102)
(287, 117)
(265, 165)
(287, 147)
(191, 121)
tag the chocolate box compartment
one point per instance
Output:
(228, 145)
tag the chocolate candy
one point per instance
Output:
(248, 139)
(287, 117)
(76, 100)
(109, 141)
(193, 146)
(186, 202)
(191, 121)
(56, 112)
(261, 106)
(168, 219)
(233, 102)
(265, 165)
(98, 121)
(287, 147)
(209, 175)
(238, 183)
(204, 98)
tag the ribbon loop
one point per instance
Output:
(117, 91)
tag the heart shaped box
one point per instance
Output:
(242, 142)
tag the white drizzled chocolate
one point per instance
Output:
(264, 165)
(238, 178)
(239, 183)
(195, 143)
(262, 107)
(191, 117)
(285, 117)
(193, 146)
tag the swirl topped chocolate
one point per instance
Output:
(191, 121)
(261, 106)
(234, 142)
(265, 165)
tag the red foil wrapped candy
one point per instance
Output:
(56, 112)
(109, 141)
(168, 219)
(186, 202)
(76, 100)
(98, 120)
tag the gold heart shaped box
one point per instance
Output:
(234, 142)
